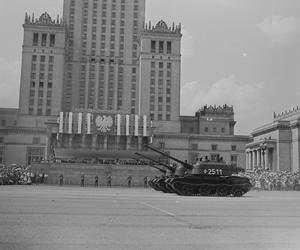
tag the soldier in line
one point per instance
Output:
(82, 181)
(96, 181)
(109, 181)
(129, 181)
(145, 182)
(61, 179)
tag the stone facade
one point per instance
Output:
(275, 145)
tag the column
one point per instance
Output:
(105, 142)
(118, 146)
(266, 158)
(247, 160)
(254, 158)
(262, 158)
(259, 157)
(94, 141)
(70, 141)
(82, 141)
(128, 142)
(251, 159)
(140, 143)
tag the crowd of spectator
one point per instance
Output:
(273, 180)
(20, 175)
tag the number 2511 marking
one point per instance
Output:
(213, 171)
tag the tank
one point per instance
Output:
(208, 178)
(159, 183)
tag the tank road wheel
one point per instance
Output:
(187, 190)
(204, 190)
(237, 192)
(223, 190)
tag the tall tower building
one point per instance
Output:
(160, 72)
(42, 71)
(102, 63)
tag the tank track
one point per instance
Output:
(206, 189)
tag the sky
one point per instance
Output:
(244, 53)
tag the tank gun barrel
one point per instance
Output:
(185, 164)
(153, 165)
(158, 162)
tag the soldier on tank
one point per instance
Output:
(145, 182)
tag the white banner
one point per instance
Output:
(118, 124)
(88, 123)
(61, 122)
(70, 123)
(127, 125)
(79, 124)
(145, 125)
(136, 125)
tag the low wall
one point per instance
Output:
(72, 173)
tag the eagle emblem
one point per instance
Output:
(103, 123)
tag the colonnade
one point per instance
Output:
(258, 157)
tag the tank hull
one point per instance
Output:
(202, 185)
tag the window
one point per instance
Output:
(223, 130)
(206, 129)
(44, 40)
(214, 147)
(161, 47)
(35, 39)
(49, 85)
(1, 139)
(34, 57)
(3, 123)
(215, 129)
(233, 147)
(169, 47)
(52, 40)
(194, 146)
(153, 46)
(233, 158)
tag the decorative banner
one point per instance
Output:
(79, 123)
(118, 124)
(145, 125)
(127, 125)
(88, 123)
(70, 123)
(61, 122)
(136, 125)
(104, 124)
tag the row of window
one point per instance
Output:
(214, 129)
(44, 40)
(214, 147)
(159, 47)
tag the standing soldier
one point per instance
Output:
(129, 181)
(109, 181)
(61, 179)
(82, 181)
(145, 182)
(96, 181)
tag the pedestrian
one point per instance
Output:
(61, 179)
(109, 181)
(145, 182)
(82, 181)
(96, 181)
(129, 181)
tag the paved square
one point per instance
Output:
(50, 217)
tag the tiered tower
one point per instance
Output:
(42, 69)
(102, 63)
(160, 71)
